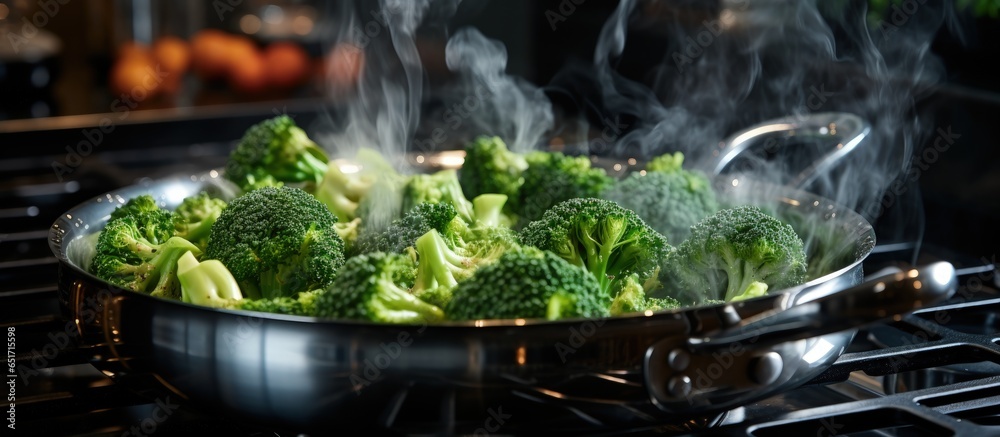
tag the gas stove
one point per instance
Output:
(935, 372)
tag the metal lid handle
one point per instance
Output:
(845, 131)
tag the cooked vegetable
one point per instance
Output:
(358, 240)
(272, 151)
(527, 283)
(552, 178)
(125, 257)
(374, 287)
(442, 264)
(606, 239)
(729, 255)
(403, 232)
(277, 242)
(209, 283)
(490, 168)
(631, 298)
(440, 187)
(194, 217)
(669, 198)
(155, 224)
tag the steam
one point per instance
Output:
(751, 61)
(384, 113)
(494, 102)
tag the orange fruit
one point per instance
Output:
(249, 75)
(287, 64)
(133, 76)
(209, 53)
(173, 55)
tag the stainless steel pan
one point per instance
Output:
(318, 375)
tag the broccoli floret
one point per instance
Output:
(732, 250)
(666, 163)
(443, 262)
(277, 242)
(156, 225)
(527, 283)
(403, 232)
(606, 239)
(440, 187)
(126, 258)
(670, 200)
(631, 298)
(136, 206)
(438, 264)
(275, 150)
(490, 168)
(553, 177)
(303, 304)
(373, 287)
(194, 217)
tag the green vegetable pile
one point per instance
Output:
(540, 235)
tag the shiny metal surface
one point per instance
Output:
(305, 372)
(310, 374)
(844, 132)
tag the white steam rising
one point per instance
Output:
(495, 103)
(750, 61)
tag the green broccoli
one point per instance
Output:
(209, 283)
(444, 261)
(373, 287)
(670, 200)
(440, 187)
(156, 225)
(403, 232)
(135, 206)
(302, 304)
(342, 192)
(729, 252)
(606, 239)
(631, 298)
(551, 178)
(490, 168)
(194, 217)
(277, 242)
(125, 257)
(527, 283)
(272, 151)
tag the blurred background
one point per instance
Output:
(70, 57)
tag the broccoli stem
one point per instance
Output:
(201, 230)
(740, 274)
(164, 263)
(208, 283)
(396, 305)
(487, 209)
(310, 165)
(435, 266)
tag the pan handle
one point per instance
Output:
(892, 295)
(782, 342)
(847, 130)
